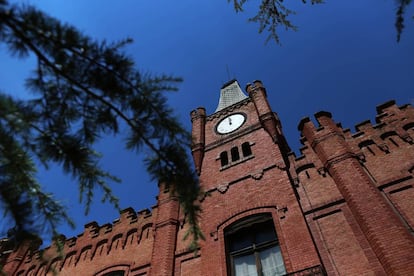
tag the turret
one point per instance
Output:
(267, 118)
(387, 235)
(198, 120)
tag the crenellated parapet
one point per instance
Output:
(364, 173)
(344, 206)
(381, 148)
(392, 120)
(131, 233)
(129, 244)
(393, 131)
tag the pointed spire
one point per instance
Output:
(230, 94)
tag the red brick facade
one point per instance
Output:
(344, 207)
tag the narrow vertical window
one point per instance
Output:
(246, 149)
(253, 249)
(224, 158)
(235, 154)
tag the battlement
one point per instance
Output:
(342, 184)
(388, 113)
(250, 87)
(127, 218)
(394, 127)
(130, 230)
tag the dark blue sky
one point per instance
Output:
(344, 58)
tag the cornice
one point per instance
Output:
(228, 110)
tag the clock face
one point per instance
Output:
(230, 123)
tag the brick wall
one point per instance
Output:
(361, 185)
(344, 206)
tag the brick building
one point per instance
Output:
(344, 207)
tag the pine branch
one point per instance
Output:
(93, 86)
(399, 20)
(131, 123)
(271, 15)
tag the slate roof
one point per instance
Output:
(230, 94)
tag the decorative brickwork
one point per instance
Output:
(343, 207)
(360, 211)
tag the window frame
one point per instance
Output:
(247, 224)
(235, 154)
(224, 158)
(115, 273)
(246, 149)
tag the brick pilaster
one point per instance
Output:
(388, 237)
(165, 236)
(266, 116)
(198, 120)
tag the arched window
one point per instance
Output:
(234, 154)
(246, 149)
(252, 247)
(115, 273)
(224, 158)
(117, 270)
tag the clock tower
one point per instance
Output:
(251, 216)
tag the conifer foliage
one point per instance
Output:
(273, 14)
(402, 5)
(84, 90)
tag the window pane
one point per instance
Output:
(272, 262)
(265, 233)
(247, 151)
(115, 273)
(224, 158)
(241, 240)
(234, 154)
(240, 244)
(245, 265)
